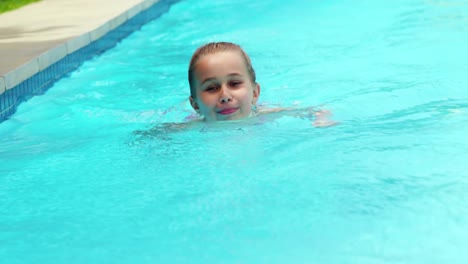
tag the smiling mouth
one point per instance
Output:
(227, 111)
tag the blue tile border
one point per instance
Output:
(40, 82)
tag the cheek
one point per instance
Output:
(206, 100)
(246, 96)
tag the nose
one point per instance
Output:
(225, 96)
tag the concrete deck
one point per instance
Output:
(40, 34)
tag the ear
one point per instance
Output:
(256, 93)
(193, 103)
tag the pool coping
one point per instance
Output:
(38, 74)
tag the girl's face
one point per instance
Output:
(223, 89)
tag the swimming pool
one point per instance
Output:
(387, 185)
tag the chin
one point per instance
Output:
(236, 117)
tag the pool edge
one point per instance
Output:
(37, 75)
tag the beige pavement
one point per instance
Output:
(37, 35)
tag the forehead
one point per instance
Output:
(220, 64)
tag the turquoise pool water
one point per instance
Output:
(387, 185)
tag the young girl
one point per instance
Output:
(223, 86)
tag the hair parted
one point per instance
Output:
(212, 48)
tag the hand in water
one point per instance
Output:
(322, 118)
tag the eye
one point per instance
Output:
(235, 83)
(211, 88)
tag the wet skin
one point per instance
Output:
(223, 87)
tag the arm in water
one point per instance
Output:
(319, 117)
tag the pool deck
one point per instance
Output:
(37, 35)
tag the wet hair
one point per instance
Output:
(212, 48)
